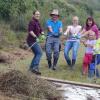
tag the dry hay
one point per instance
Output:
(4, 57)
(9, 57)
(26, 87)
(24, 46)
(3, 97)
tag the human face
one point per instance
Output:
(90, 22)
(37, 15)
(75, 20)
(92, 35)
(55, 17)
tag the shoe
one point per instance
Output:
(72, 67)
(54, 68)
(36, 72)
(50, 67)
(49, 64)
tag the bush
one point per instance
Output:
(19, 23)
(11, 8)
(8, 37)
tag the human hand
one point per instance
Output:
(37, 40)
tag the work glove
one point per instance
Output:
(41, 38)
(77, 36)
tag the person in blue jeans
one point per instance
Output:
(94, 66)
(72, 42)
(34, 31)
(54, 27)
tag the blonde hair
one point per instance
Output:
(91, 33)
(75, 18)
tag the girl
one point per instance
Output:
(88, 51)
(72, 42)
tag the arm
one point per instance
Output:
(83, 31)
(96, 30)
(48, 26)
(50, 29)
(31, 28)
(89, 45)
(67, 31)
(86, 44)
(61, 30)
(33, 34)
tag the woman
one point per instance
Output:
(34, 31)
(72, 41)
(90, 25)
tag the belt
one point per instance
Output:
(55, 36)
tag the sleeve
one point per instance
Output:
(41, 29)
(30, 26)
(96, 30)
(80, 28)
(48, 24)
(61, 24)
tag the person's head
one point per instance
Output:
(75, 20)
(36, 14)
(91, 35)
(55, 14)
(89, 22)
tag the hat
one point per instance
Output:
(55, 12)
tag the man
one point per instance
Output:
(54, 27)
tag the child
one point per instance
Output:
(93, 67)
(88, 52)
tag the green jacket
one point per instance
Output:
(97, 47)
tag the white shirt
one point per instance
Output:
(89, 50)
(73, 29)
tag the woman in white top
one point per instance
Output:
(72, 42)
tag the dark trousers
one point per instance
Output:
(52, 46)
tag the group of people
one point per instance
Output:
(75, 34)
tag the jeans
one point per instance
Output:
(52, 45)
(91, 73)
(74, 45)
(93, 66)
(36, 49)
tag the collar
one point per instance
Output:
(54, 21)
(34, 19)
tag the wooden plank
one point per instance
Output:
(71, 82)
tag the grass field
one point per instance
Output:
(62, 71)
